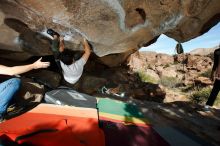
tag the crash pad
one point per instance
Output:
(70, 97)
(118, 134)
(118, 111)
(63, 125)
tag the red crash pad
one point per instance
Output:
(61, 126)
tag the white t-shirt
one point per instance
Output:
(73, 72)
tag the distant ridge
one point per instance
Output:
(153, 52)
(203, 51)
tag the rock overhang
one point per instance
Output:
(111, 26)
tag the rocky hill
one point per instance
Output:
(203, 51)
(183, 66)
(173, 72)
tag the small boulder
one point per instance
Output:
(203, 81)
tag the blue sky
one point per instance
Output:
(167, 45)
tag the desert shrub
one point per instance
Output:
(166, 65)
(201, 95)
(146, 78)
(207, 73)
(188, 88)
(169, 81)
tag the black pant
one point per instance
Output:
(57, 60)
(214, 93)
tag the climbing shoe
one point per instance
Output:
(51, 32)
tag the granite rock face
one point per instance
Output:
(185, 67)
(111, 26)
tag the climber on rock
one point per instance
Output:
(72, 69)
(9, 87)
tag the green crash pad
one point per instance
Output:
(119, 108)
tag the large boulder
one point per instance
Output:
(169, 72)
(148, 59)
(111, 26)
(199, 63)
(184, 67)
(135, 62)
(164, 59)
(203, 81)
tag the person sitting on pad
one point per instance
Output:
(9, 87)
